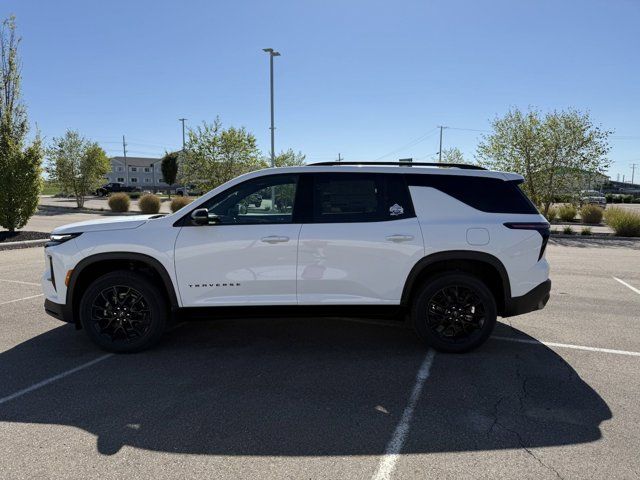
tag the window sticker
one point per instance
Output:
(395, 210)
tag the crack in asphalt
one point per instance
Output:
(521, 396)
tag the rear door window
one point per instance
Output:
(359, 197)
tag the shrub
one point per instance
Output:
(625, 223)
(119, 202)
(585, 231)
(567, 230)
(591, 214)
(567, 212)
(149, 203)
(134, 195)
(552, 214)
(609, 197)
(178, 202)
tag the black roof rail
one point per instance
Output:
(463, 166)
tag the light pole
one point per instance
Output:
(272, 53)
(182, 120)
(441, 127)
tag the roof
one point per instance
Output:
(137, 161)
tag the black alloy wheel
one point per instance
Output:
(121, 314)
(454, 312)
(123, 311)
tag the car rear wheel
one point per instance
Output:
(123, 312)
(454, 312)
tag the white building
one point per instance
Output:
(145, 173)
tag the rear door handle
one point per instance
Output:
(397, 238)
(274, 239)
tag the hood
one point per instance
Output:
(103, 224)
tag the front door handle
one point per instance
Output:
(397, 238)
(274, 239)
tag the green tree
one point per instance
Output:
(452, 155)
(20, 164)
(77, 164)
(551, 151)
(215, 155)
(288, 158)
(169, 167)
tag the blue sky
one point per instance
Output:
(360, 78)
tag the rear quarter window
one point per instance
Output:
(490, 195)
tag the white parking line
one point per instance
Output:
(20, 299)
(20, 282)
(626, 285)
(49, 380)
(567, 345)
(392, 452)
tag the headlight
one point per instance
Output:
(58, 238)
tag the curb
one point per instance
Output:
(56, 208)
(593, 236)
(23, 244)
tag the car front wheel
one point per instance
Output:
(454, 312)
(123, 312)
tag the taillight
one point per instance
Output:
(543, 228)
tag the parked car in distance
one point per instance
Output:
(450, 246)
(190, 191)
(592, 197)
(109, 188)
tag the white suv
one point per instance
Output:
(452, 247)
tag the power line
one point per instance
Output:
(410, 144)
(469, 129)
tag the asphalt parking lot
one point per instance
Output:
(554, 394)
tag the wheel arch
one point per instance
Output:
(101, 263)
(483, 265)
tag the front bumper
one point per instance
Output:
(535, 299)
(57, 311)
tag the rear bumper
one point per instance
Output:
(535, 299)
(60, 312)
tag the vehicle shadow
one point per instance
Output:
(303, 388)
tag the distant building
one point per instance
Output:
(145, 173)
(627, 188)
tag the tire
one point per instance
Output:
(443, 317)
(108, 304)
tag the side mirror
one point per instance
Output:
(200, 216)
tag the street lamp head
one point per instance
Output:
(267, 50)
(276, 54)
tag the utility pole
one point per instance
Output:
(633, 170)
(440, 150)
(126, 169)
(182, 120)
(272, 53)
(340, 158)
